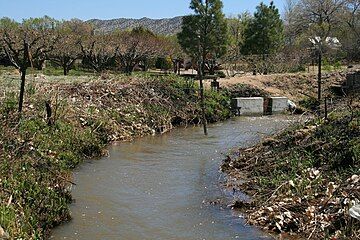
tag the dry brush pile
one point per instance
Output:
(303, 181)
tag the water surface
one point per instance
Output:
(158, 187)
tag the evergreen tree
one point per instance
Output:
(204, 34)
(265, 32)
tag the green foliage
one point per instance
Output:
(204, 34)
(9, 104)
(236, 35)
(217, 106)
(310, 103)
(163, 63)
(34, 173)
(265, 32)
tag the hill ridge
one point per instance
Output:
(163, 26)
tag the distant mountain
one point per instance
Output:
(166, 26)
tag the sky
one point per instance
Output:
(110, 9)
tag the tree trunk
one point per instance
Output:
(265, 72)
(48, 113)
(175, 63)
(129, 69)
(40, 64)
(319, 75)
(202, 97)
(22, 89)
(66, 70)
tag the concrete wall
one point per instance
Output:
(249, 106)
(353, 81)
(279, 104)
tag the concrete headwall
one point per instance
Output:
(353, 81)
(279, 104)
(259, 106)
(249, 106)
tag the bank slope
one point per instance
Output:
(303, 181)
(38, 152)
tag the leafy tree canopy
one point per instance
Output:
(265, 32)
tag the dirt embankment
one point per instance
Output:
(295, 86)
(303, 181)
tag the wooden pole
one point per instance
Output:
(326, 109)
(202, 97)
(319, 74)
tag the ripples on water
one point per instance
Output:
(155, 187)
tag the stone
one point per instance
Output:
(355, 211)
(3, 235)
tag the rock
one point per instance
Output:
(355, 211)
(3, 235)
(291, 105)
(270, 141)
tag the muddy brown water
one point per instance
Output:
(158, 187)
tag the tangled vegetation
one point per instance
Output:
(303, 181)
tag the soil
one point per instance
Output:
(295, 86)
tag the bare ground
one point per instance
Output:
(295, 86)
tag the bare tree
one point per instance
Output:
(98, 50)
(318, 20)
(67, 49)
(135, 46)
(318, 17)
(23, 43)
(350, 30)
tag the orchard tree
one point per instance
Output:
(172, 48)
(135, 46)
(46, 27)
(67, 49)
(236, 29)
(265, 32)
(318, 19)
(25, 43)
(98, 50)
(349, 32)
(204, 36)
